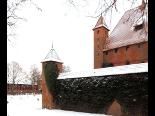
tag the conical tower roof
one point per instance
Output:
(101, 23)
(52, 56)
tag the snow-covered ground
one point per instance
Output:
(30, 105)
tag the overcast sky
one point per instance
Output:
(68, 28)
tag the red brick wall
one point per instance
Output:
(59, 67)
(136, 53)
(100, 35)
(47, 98)
(22, 89)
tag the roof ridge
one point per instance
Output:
(52, 56)
(101, 22)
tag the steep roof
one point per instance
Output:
(52, 56)
(124, 33)
(101, 23)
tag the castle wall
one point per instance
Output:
(132, 54)
(118, 95)
(22, 89)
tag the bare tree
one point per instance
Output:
(34, 75)
(15, 74)
(65, 69)
(107, 7)
(12, 17)
(103, 5)
(14, 71)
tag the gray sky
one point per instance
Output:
(69, 29)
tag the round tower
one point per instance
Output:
(52, 59)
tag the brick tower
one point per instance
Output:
(47, 97)
(100, 35)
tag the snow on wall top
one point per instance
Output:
(125, 69)
(52, 56)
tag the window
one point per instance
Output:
(127, 48)
(116, 50)
(106, 53)
(98, 31)
(138, 27)
(139, 45)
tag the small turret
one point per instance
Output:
(51, 62)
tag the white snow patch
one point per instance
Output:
(31, 105)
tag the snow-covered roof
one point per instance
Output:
(124, 34)
(125, 69)
(52, 56)
(101, 23)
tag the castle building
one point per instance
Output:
(127, 43)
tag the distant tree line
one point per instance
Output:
(16, 74)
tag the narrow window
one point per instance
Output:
(127, 48)
(106, 53)
(139, 45)
(98, 31)
(116, 50)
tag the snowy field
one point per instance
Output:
(30, 105)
